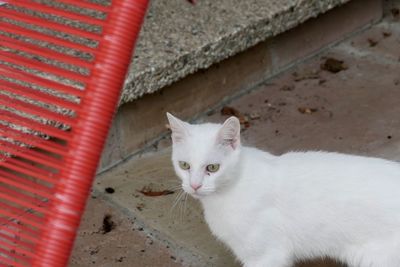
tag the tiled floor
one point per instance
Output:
(352, 107)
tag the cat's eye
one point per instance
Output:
(184, 165)
(212, 167)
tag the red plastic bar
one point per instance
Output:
(6, 13)
(22, 200)
(30, 124)
(35, 110)
(26, 153)
(32, 140)
(31, 5)
(20, 230)
(11, 28)
(27, 245)
(44, 52)
(26, 169)
(25, 184)
(24, 216)
(8, 260)
(19, 60)
(88, 5)
(35, 80)
(45, 194)
(20, 233)
(37, 95)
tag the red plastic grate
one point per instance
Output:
(62, 64)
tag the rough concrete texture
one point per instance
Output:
(178, 38)
(108, 238)
(349, 107)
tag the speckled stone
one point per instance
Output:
(178, 38)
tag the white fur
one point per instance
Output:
(274, 210)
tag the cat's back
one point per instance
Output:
(334, 177)
(343, 164)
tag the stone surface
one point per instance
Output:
(354, 110)
(178, 38)
(125, 245)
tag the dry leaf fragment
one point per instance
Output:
(108, 224)
(287, 88)
(395, 12)
(254, 115)
(306, 75)
(147, 191)
(305, 110)
(386, 34)
(372, 42)
(333, 65)
(140, 206)
(230, 111)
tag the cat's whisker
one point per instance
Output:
(185, 203)
(176, 201)
(174, 187)
(181, 206)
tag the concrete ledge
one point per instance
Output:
(178, 39)
(138, 123)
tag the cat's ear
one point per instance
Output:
(178, 128)
(229, 134)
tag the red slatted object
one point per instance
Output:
(62, 65)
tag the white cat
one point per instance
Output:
(275, 210)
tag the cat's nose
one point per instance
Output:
(195, 186)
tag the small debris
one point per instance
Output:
(304, 110)
(140, 206)
(94, 251)
(287, 88)
(173, 258)
(333, 65)
(306, 75)
(395, 12)
(254, 115)
(321, 81)
(167, 126)
(109, 190)
(396, 81)
(386, 34)
(108, 224)
(372, 42)
(142, 250)
(149, 192)
(121, 259)
(230, 111)
(389, 137)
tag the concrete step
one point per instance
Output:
(311, 106)
(217, 49)
(178, 38)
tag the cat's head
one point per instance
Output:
(204, 154)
